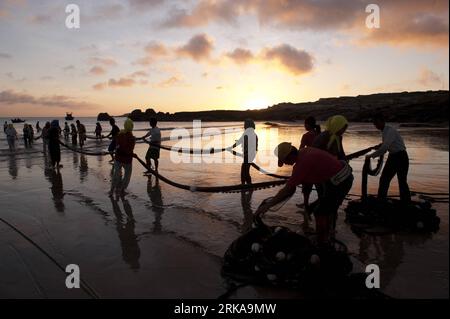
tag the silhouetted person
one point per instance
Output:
(66, 131)
(53, 145)
(330, 140)
(45, 137)
(112, 135)
(74, 134)
(155, 143)
(98, 130)
(312, 131)
(11, 137)
(81, 133)
(397, 162)
(123, 159)
(249, 142)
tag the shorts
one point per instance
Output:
(112, 146)
(152, 153)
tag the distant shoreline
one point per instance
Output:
(429, 107)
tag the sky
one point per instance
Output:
(173, 55)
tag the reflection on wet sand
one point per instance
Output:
(126, 231)
(75, 160)
(155, 195)
(13, 170)
(57, 190)
(84, 168)
(387, 251)
(246, 202)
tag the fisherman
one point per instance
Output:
(249, 142)
(397, 162)
(31, 132)
(98, 130)
(11, 137)
(66, 131)
(312, 131)
(125, 143)
(45, 135)
(53, 144)
(154, 144)
(81, 133)
(314, 166)
(330, 140)
(74, 134)
(26, 135)
(112, 135)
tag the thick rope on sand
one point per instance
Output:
(213, 189)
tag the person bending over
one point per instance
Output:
(314, 166)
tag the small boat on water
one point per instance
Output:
(69, 117)
(17, 120)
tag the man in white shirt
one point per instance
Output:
(397, 162)
(155, 142)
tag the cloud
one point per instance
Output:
(203, 13)
(170, 82)
(294, 60)
(68, 68)
(429, 79)
(10, 97)
(113, 83)
(138, 74)
(411, 22)
(99, 86)
(144, 4)
(97, 70)
(5, 55)
(122, 82)
(198, 48)
(101, 65)
(103, 61)
(241, 56)
(153, 51)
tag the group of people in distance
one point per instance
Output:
(75, 132)
(320, 160)
(121, 149)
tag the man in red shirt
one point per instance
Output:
(125, 143)
(334, 179)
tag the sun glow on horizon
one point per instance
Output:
(256, 103)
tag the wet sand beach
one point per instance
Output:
(163, 242)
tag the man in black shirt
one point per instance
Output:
(112, 135)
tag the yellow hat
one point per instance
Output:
(335, 124)
(128, 125)
(282, 151)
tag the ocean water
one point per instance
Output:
(71, 215)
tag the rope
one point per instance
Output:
(90, 291)
(84, 152)
(213, 189)
(368, 170)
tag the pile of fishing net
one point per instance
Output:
(392, 214)
(277, 256)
